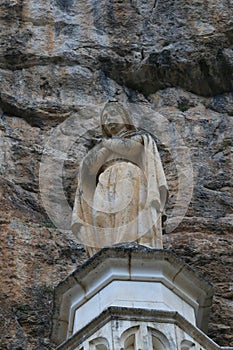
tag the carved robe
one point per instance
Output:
(121, 193)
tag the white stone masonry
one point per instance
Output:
(133, 298)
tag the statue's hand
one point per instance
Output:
(95, 158)
(124, 146)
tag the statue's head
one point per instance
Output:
(114, 119)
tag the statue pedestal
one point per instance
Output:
(132, 298)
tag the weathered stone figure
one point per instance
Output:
(122, 188)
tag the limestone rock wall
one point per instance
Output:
(63, 59)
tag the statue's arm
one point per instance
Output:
(95, 158)
(124, 146)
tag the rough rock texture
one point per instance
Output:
(62, 59)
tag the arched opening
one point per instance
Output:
(130, 343)
(157, 344)
(101, 347)
(128, 338)
(99, 344)
(159, 340)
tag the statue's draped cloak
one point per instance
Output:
(99, 219)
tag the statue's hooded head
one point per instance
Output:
(114, 119)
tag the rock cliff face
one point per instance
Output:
(171, 64)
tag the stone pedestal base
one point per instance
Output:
(133, 298)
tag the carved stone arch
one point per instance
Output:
(128, 338)
(187, 345)
(99, 344)
(158, 340)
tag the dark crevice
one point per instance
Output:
(35, 115)
(160, 70)
(17, 61)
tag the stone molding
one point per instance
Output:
(128, 263)
(139, 315)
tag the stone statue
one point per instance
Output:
(122, 188)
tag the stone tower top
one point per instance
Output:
(130, 281)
